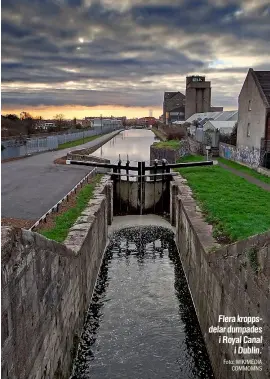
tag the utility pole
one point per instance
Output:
(101, 122)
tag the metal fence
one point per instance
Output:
(21, 146)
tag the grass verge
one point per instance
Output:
(247, 170)
(191, 158)
(66, 220)
(235, 207)
(172, 144)
(77, 142)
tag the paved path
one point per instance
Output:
(249, 178)
(32, 185)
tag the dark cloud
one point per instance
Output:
(125, 52)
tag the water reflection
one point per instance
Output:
(134, 143)
(141, 323)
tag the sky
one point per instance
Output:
(117, 57)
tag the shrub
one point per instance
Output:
(175, 132)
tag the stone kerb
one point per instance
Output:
(79, 231)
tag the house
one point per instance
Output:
(224, 127)
(45, 124)
(173, 106)
(253, 132)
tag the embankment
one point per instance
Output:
(83, 154)
(46, 290)
(226, 280)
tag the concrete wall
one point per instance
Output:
(230, 280)
(198, 98)
(46, 289)
(256, 117)
(242, 154)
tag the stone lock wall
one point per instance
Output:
(170, 155)
(46, 290)
(227, 280)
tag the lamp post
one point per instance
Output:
(101, 123)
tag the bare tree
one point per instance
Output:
(24, 115)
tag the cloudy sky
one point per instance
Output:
(117, 57)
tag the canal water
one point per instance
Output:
(141, 323)
(134, 143)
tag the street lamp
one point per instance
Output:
(101, 122)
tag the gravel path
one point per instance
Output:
(249, 178)
(31, 186)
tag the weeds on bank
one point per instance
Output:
(66, 220)
(172, 144)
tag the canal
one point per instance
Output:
(133, 143)
(141, 323)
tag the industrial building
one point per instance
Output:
(179, 107)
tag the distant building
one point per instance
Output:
(253, 132)
(173, 107)
(45, 124)
(198, 95)
(224, 127)
(146, 121)
(216, 109)
(106, 122)
(201, 118)
(179, 107)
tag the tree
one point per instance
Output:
(25, 115)
(234, 135)
(59, 120)
(12, 117)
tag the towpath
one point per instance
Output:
(248, 177)
(31, 186)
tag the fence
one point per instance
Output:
(55, 208)
(21, 146)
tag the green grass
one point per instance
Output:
(191, 158)
(247, 170)
(171, 144)
(77, 142)
(66, 220)
(235, 207)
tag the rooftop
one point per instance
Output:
(263, 79)
(216, 116)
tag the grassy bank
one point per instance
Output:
(63, 222)
(236, 208)
(77, 142)
(191, 158)
(247, 170)
(172, 144)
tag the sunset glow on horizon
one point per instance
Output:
(81, 112)
(120, 56)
